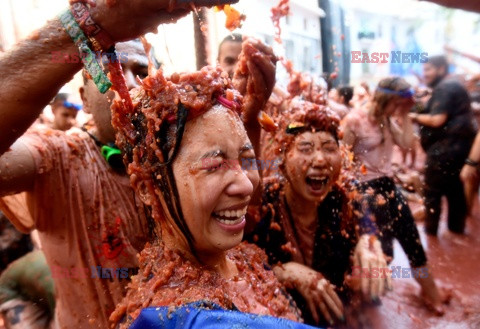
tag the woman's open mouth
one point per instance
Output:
(231, 220)
(230, 217)
(317, 183)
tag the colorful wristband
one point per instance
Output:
(91, 64)
(99, 38)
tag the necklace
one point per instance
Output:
(110, 153)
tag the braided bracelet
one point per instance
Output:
(472, 163)
(91, 64)
(99, 39)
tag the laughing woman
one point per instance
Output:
(180, 141)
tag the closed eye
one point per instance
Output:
(330, 146)
(306, 148)
(212, 164)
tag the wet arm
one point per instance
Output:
(475, 151)
(430, 120)
(319, 294)
(470, 172)
(30, 79)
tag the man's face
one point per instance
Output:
(99, 104)
(228, 56)
(431, 74)
(64, 118)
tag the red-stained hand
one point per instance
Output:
(320, 295)
(375, 275)
(127, 19)
(254, 77)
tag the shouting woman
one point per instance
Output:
(306, 224)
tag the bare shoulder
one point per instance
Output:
(353, 118)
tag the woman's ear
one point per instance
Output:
(281, 163)
(143, 192)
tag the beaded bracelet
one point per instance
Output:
(91, 64)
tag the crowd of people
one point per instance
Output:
(153, 212)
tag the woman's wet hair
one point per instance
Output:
(387, 90)
(303, 116)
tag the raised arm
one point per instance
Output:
(30, 79)
(254, 78)
(403, 135)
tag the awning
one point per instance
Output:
(462, 4)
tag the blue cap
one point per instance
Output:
(69, 105)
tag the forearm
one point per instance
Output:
(254, 131)
(30, 79)
(475, 151)
(280, 272)
(424, 119)
(429, 120)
